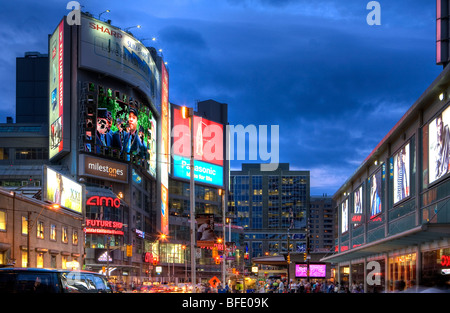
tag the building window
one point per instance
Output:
(40, 260)
(75, 237)
(24, 258)
(24, 225)
(64, 236)
(53, 261)
(64, 262)
(2, 221)
(40, 230)
(53, 232)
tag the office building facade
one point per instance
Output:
(272, 207)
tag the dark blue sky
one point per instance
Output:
(333, 84)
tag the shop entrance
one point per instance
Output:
(402, 272)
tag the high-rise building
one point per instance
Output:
(321, 224)
(32, 88)
(271, 206)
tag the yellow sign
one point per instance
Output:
(129, 251)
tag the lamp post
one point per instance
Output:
(126, 29)
(107, 11)
(222, 193)
(189, 113)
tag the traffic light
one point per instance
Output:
(304, 256)
(217, 258)
(289, 259)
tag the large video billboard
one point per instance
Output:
(208, 149)
(59, 65)
(120, 128)
(62, 190)
(165, 149)
(107, 49)
(376, 204)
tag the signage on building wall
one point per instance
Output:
(98, 167)
(445, 260)
(102, 227)
(356, 218)
(102, 256)
(103, 201)
(164, 147)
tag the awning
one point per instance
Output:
(415, 236)
(270, 260)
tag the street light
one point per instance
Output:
(189, 113)
(126, 29)
(222, 193)
(107, 11)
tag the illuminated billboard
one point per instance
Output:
(206, 237)
(203, 172)
(164, 147)
(62, 190)
(208, 149)
(315, 270)
(439, 146)
(119, 127)
(208, 139)
(401, 179)
(108, 49)
(376, 205)
(59, 76)
(344, 216)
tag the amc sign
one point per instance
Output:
(104, 201)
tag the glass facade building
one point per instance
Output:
(270, 206)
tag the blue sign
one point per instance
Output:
(203, 172)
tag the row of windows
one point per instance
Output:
(40, 260)
(41, 233)
(24, 153)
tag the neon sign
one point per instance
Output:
(106, 201)
(101, 227)
(445, 260)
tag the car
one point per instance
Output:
(40, 280)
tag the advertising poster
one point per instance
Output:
(376, 206)
(439, 146)
(401, 174)
(63, 191)
(56, 90)
(205, 230)
(344, 216)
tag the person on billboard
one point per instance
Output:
(402, 178)
(132, 143)
(442, 148)
(58, 189)
(113, 137)
(358, 204)
(101, 134)
(375, 200)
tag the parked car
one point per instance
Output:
(39, 280)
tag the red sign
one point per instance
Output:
(445, 260)
(106, 201)
(103, 227)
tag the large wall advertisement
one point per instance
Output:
(439, 146)
(401, 174)
(376, 204)
(165, 156)
(208, 149)
(107, 49)
(62, 190)
(58, 87)
(120, 127)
